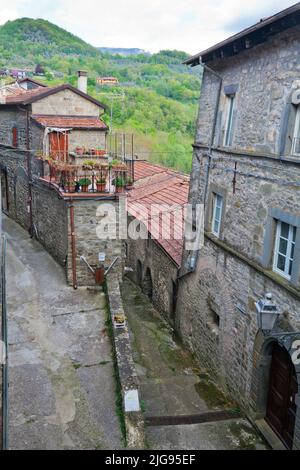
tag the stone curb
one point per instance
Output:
(134, 419)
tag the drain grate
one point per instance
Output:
(180, 420)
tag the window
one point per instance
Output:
(15, 137)
(284, 249)
(296, 137)
(217, 214)
(229, 121)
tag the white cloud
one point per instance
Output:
(189, 25)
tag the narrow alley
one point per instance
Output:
(183, 408)
(61, 381)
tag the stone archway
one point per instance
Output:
(148, 284)
(276, 388)
(139, 273)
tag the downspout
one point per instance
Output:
(195, 257)
(29, 172)
(73, 243)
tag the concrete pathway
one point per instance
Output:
(172, 385)
(62, 390)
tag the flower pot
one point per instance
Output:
(120, 189)
(71, 189)
(79, 151)
(101, 187)
(85, 189)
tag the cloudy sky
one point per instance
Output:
(189, 25)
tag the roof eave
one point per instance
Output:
(205, 55)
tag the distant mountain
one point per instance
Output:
(156, 97)
(27, 37)
(123, 51)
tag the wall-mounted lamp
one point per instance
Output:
(267, 315)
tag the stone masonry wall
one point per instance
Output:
(216, 313)
(65, 103)
(50, 220)
(9, 118)
(163, 273)
(266, 76)
(88, 244)
(88, 139)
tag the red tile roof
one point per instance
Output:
(14, 96)
(158, 185)
(70, 122)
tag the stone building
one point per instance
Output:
(155, 259)
(53, 121)
(246, 172)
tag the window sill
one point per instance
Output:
(277, 278)
(248, 153)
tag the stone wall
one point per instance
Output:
(15, 183)
(49, 211)
(216, 314)
(50, 220)
(66, 103)
(87, 139)
(147, 255)
(266, 76)
(88, 244)
(10, 118)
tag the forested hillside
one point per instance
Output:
(156, 98)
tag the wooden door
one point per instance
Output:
(4, 192)
(59, 146)
(283, 387)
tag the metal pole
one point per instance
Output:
(5, 352)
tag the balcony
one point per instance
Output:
(97, 175)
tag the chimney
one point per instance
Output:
(82, 81)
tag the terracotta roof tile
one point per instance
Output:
(158, 185)
(70, 122)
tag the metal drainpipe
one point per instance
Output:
(211, 143)
(29, 171)
(73, 242)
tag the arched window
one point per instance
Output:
(15, 137)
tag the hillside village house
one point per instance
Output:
(53, 121)
(246, 170)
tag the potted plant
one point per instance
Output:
(101, 185)
(80, 150)
(129, 182)
(118, 165)
(70, 186)
(120, 184)
(88, 165)
(85, 183)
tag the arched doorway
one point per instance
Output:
(147, 284)
(139, 273)
(283, 388)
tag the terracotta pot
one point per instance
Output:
(84, 189)
(71, 189)
(120, 189)
(101, 187)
